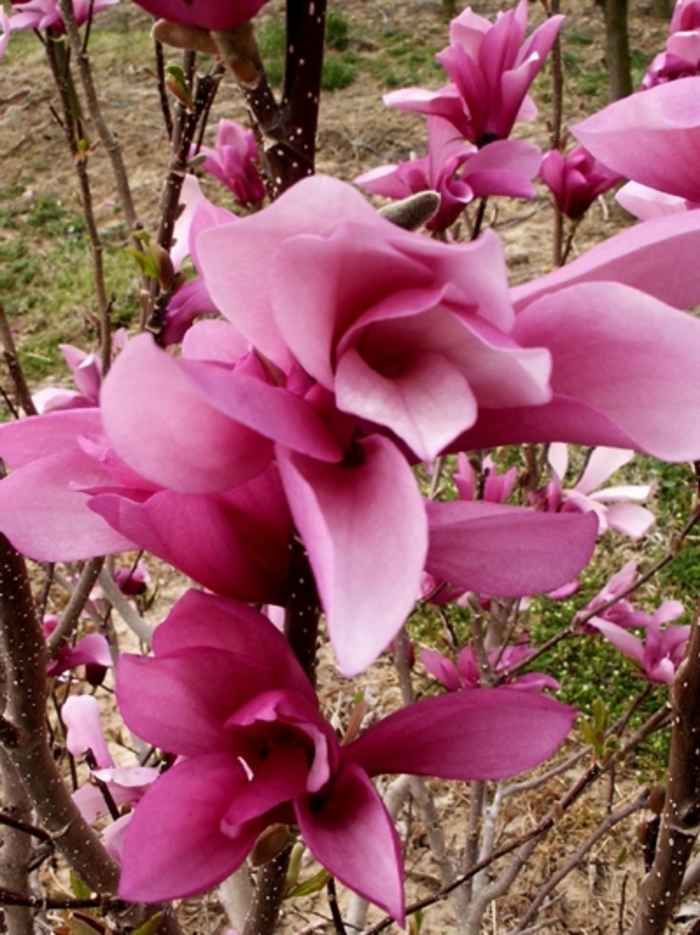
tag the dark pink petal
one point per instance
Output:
(174, 845)
(279, 778)
(348, 830)
(480, 733)
(180, 702)
(506, 551)
(199, 620)
(366, 533)
(214, 15)
(46, 516)
(235, 543)
(161, 423)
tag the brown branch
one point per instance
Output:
(24, 397)
(680, 821)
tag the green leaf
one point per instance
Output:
(150, 926)
(78, 888)
(313, 885)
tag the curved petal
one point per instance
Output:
(199, 620)
(506, 551)
(476, 733)
(161, 423)
(366, 534)
(81, 716)
(180, 702)
(350, 832)
(235, 543)
(45, 514)
(647, 257)
(36, 437)
(174, 845)
(652, 137)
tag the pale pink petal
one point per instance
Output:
(366, 533)
(46, 516)
(506, 551)
(31, 439)
(427, 404)
(601, 465)
(350, 832)
(174, 846)
(644, 202)
(629, 519)
(630, 644)
(651, 137)
(480, 733)
(646, 257)
(81, 716)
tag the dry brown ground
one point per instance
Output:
(357, 132)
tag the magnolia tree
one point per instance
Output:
(303, 429)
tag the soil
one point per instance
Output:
(358, 132)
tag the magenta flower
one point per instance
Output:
(213, 15)
(576, 180)
(458, 171)
(42, 14)
(466, 672)
(492, 66)
(233, 160)
(228, 697)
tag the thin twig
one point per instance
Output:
(78, 600)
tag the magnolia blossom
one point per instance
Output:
(42, 14)
(213, 15)
(5, 35)
(91, 650)
(229, 698)
(613, 506)
(576, 180)
(661, 650)
(466, 672)
(458, 171)
(681, 58)
(126, 784)
(233, 160)
(491, 66)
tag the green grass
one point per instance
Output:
(46, 280)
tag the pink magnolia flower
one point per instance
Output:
(644, 202)
(213, 15)
(492, 66)
(229, 698)
(681, 58)
(458, 171)
(661, 650)
(576, 180)
(613, 506)
(233, 160)
(42, 14)
(87, 375)
(126, 784)
(90, 650)
(497, 486)
(466, 672)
